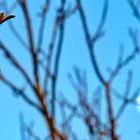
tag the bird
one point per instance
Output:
(4, 18)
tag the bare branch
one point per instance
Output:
(19, 92)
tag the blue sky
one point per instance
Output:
(119, 19)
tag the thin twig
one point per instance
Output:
(57, 57)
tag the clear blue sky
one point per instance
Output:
(75, 52)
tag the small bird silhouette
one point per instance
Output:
(5, 18)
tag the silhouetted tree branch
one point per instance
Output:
(46, 61)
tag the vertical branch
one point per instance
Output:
(95, 64)
(110, 113)
(22, 126)
(42, 24)
(90, 44)
(31, 41)
(58, 54)
(53, 131)
(50, 53)
(99, 30)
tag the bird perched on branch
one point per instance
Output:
(5, 18)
